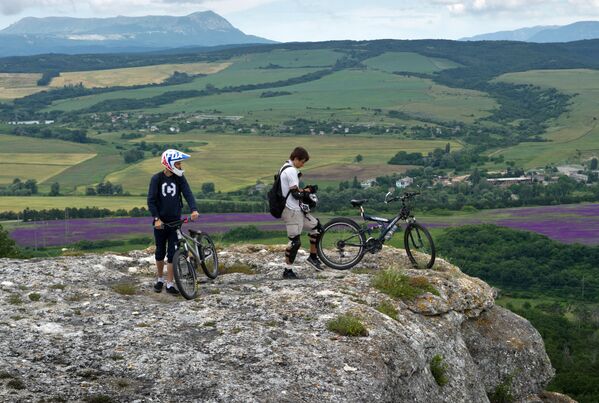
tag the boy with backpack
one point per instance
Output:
(288, 201)
(165, 203)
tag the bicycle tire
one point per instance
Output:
(185, 274)
(208, 255)
(332, 245)
(419, 246)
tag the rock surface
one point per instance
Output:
(66, 333)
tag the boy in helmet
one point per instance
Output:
(165, 204)
(297, 212)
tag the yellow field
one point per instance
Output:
(16, 85)
(233, 162)
(19, 203)
(36, 166)
(575, 132)
(134, 75)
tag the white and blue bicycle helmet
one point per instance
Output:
(169, 157)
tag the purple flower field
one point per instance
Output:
(64, 232)
(576, 223)
(572, 223)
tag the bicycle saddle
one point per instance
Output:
(193, 232)
(358, 202)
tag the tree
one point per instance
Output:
(594, 164)
(358, 158)
(447, 148)
(54, 189)
(8, 247)
(208, 187)
(355, 184)
(90, 191)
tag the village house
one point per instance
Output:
(404, 182)
(368, 183)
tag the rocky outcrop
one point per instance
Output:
(69, 331)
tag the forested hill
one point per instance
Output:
(484, 59)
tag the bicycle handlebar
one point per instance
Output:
(178, 223)
(405, 196)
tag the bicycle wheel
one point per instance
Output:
(341, 244)
(208, 255)
(185, 274)
(419, 246)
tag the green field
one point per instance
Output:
(247, 69)
(408, 62)
(232, 162)
(333, 97)
(575, 131)
(18, 203)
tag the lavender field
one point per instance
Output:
(64, 232)
(565, 223)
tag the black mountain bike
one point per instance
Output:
(344, 243)
(193, 249)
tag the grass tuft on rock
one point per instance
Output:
(439, 370)
(398, 285)
(34, 296)
(236, 267)
(388, 309)
(125, 288)
(347, 325)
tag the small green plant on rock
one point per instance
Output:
(398, 285)
(15, 299)
(347, 325)
(34, 296)
(503, 392)
(125, 288)
(439, 370)
(388, 309)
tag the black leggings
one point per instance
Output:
(162, 236)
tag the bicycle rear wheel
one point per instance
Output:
(419, 246)
(341, 244)
(208, 255)
(185, 274)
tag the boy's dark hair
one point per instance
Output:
(300, 153)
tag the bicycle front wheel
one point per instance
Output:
(208, 255)
(185, 274)
(341, 244)
(419, 246)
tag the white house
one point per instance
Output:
(404, 182)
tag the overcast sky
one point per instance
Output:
(317, 20)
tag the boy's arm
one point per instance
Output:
(152, 192)
(186, 190)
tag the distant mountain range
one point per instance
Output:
(31, 35)
(542, 34)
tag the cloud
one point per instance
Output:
(129, 7)
(491, 6)
(12, 7)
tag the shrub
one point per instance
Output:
(347, 325)
(236, 267)
(503, 392)
(439, 370)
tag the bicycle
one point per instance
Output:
(191, 249)
(343, 243)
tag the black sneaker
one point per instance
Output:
(172, 290)
(315, 262)
(289, 274)
(158, 286)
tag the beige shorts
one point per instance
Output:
(296, 220)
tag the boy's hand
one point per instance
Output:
(194, 215)
(158, 224)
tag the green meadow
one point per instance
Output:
(232, 162)
(575, 132)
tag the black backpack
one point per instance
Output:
(276, 201)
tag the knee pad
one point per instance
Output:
(315, 233)
(294, 245)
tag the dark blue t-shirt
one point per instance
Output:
(163, 196)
